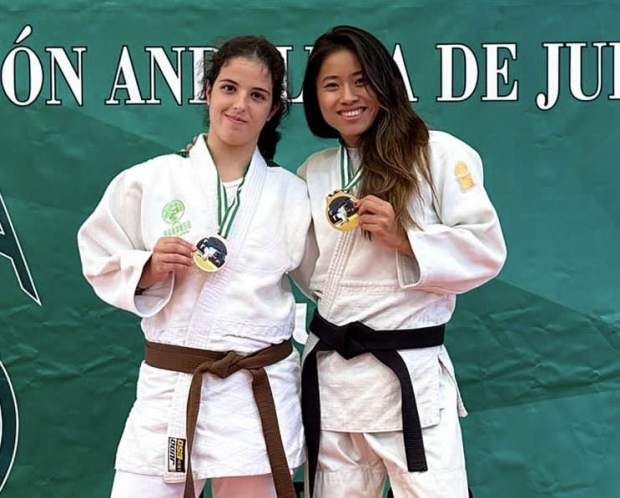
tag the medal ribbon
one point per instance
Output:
(346, 180)
(226, 213)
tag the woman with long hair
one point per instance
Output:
(403, 224)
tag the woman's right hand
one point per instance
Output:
(170, 255)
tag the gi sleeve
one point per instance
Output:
(303, 273)
(304, 267)
(465, 248)
(113, 252)
(302, 171)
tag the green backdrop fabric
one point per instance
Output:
(536, 350)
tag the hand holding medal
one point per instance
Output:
(170, 255)
(377, 217)
(341, 206)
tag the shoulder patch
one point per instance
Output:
(463, 176)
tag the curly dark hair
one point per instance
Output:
(259, 49)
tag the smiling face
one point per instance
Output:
(240, 103)
(347, 103)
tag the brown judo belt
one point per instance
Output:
(200, 361)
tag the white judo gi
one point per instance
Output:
(459, 247)
(245, 307)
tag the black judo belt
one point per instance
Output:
(352, 340)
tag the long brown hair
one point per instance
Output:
(394, 150)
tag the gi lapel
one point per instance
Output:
(216, 283)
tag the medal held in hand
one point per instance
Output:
(212, 252)
(340, 208)
(341, 211)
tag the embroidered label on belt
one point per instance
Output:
(176, 454)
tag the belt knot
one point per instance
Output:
(224, 367)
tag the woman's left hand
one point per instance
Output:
(377, 217)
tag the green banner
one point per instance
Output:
(91, 89)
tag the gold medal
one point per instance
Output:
(340, 208)
(341, 212)
(211, 253)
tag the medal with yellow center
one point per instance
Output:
(211, 253)
(340, 206)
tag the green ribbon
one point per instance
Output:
(226, 213)
(346, 180)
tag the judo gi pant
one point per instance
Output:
(356, 465)
(129, 485)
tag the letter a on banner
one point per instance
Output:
(10, 249)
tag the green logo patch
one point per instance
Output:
(172, 214)
(173, 211)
